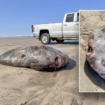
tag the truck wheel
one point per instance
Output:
(60, 41)
(45, 38)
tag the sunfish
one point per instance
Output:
(35, 57)
(96, 51)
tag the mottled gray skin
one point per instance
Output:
(35, 57)
(96, 51)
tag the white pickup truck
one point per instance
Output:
(69, 29)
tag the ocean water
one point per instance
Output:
(15, 37)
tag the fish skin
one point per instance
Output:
(35, 57)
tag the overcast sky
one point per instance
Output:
(17, 16)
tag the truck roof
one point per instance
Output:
(71, 12)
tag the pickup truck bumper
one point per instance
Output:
(35, 34)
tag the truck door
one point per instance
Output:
(69, 26)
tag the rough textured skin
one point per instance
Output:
(35, 57)
(96, 51)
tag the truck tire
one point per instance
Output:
(60, 41)
(45, 38)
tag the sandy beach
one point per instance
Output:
(24, 86)
(20, 86)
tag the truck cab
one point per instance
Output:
(71, 25)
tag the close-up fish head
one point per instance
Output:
(96, 51)
(55, 58)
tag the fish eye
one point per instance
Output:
(90, 49)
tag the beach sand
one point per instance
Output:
(24, 86)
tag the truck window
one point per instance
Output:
(70, 18)
(77, 16)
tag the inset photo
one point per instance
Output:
(92, 51)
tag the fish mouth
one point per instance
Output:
(60, 61)
(56, 61)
